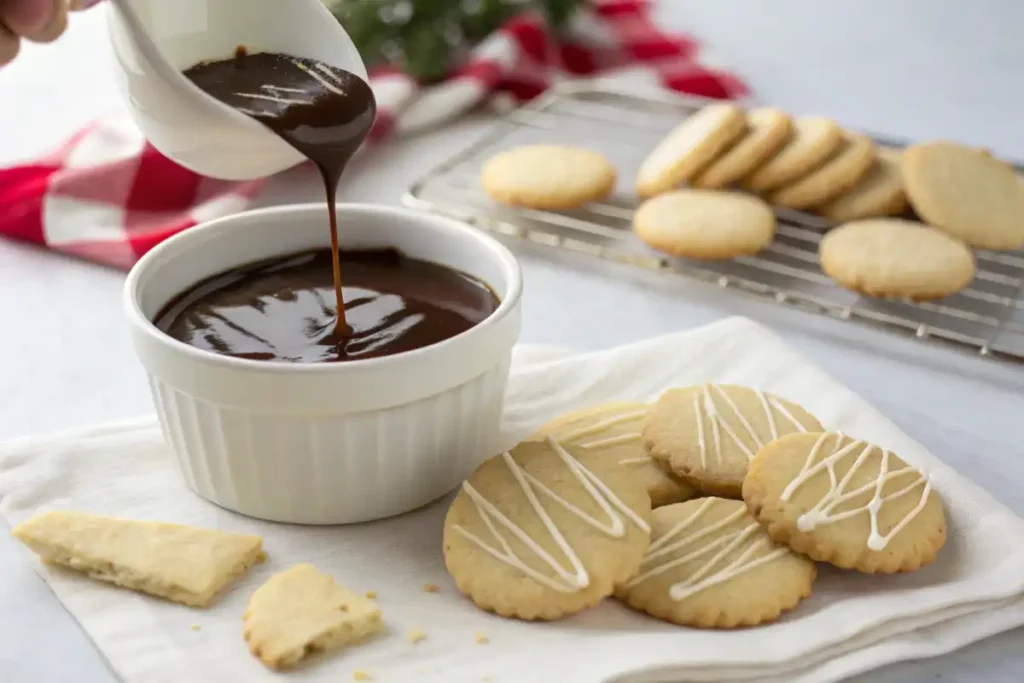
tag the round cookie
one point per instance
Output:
(710, 432)
(892, 257)
(843, 501)
(966, 192)
(689, 147)
(812, 141)
(545, 530)
(548, 177)
(846, 166)
(612, 431)
(767, 130)
(878, 193)
(711, 565)
(705, 224)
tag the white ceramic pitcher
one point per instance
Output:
(165, 37)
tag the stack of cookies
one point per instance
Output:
(708, 508)
(709, 186)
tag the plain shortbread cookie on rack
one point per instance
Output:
(711, 565)
(892, 257)
(812, 141)
(612, 430)
(878, 193)
(848, 164)
(690, 147)
(302, 611)
(847, 502)
(545, 530)
(966, 192)
(767, 130)
(705, 224)
(709, 432)
(171, 561)
(548, 177)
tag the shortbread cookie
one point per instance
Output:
(839, 500)
(709, 433)
(966, 192)
(690, 147)
(545, 530)
(548, 177)
(711, 565)
(612, 430)
(705, 224)
(303, 611)
(892, 257)
(767, 131)
(839, 172)
(812, 141)
(170, 561)
(878, 193)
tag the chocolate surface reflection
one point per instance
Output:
(283, 308)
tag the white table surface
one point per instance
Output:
(916, 68)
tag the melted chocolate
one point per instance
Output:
(279, 309)
(323, 112)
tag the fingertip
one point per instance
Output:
(53, 30)
(25, 17)
(9, 46)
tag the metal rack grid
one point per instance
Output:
(988, 317)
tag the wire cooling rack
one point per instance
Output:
(987, 318)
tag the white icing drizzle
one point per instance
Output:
(664, 547)
(704, 404)
(597, 427)
(565, 580)
(613, 440)
(821, 513)
(578, 436)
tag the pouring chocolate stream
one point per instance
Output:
(323, 112)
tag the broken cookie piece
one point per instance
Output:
(302, 611)
(172, 561)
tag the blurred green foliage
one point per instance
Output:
(429, 38)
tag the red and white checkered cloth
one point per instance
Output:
(108, 196)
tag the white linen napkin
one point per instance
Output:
(850, 624)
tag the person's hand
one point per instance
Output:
(40, 21)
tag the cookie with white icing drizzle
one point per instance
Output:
(709, 433)
(612, 430)
(711, 565)
(545, 530)
(847, 502)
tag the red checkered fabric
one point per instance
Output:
(108, 196)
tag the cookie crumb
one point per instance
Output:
(195, 627)
(361, 675)
(430, 588)
(481, 639)
(416, 636)
(371, 594)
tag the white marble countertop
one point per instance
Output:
(918, 69)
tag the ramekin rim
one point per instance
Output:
(130, 293)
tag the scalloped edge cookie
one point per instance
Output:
(809, 492)
(711, 565)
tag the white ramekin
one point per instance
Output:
(327, 443)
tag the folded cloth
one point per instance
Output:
(852, 623)
(108, 196)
